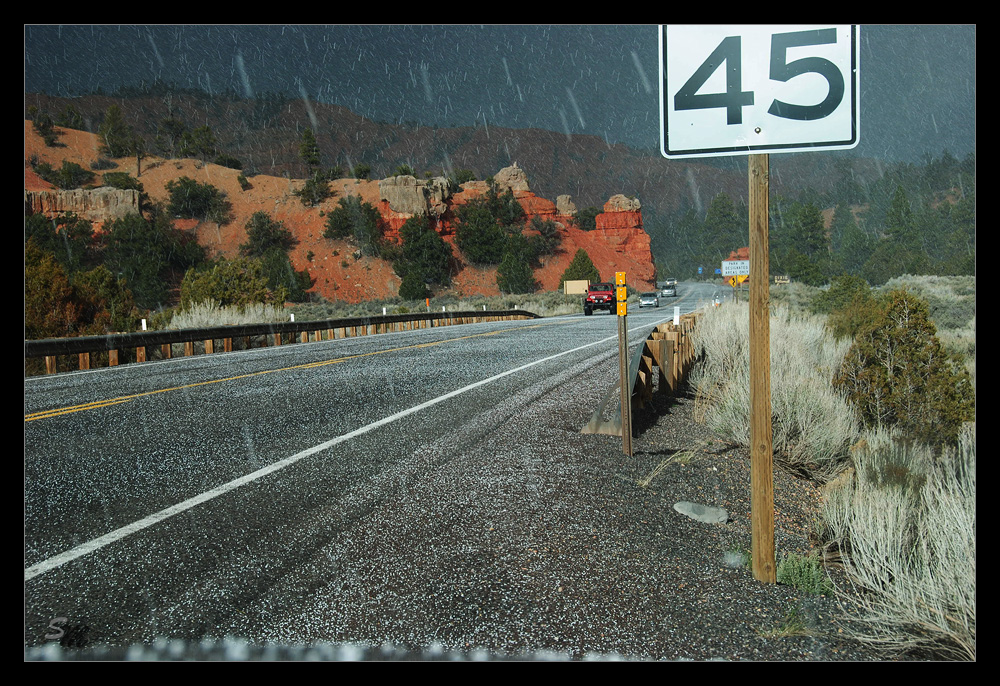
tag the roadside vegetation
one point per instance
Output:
(903, 522)
(869, 400)
(491, 231)
(544, 304)
(813, 425)
(210, 313)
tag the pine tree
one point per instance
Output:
(119, 138)
(581, 268)
(264, 234)
(897, 374)
(514, 273)
(424, 255)
(309, 151)
(724, 230)
(899, 251)
(358, 219)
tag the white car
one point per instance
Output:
(649, 300)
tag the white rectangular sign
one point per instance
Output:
(744, 89)
(735, 267)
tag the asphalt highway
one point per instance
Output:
(185, 498)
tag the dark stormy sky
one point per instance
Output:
(918, 83)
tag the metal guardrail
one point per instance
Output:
(280, 332)
(667, 348)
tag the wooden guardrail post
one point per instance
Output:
(140, 354)
(166, 351)
(84, 360)
(209, 346)
(670, 339)
(112, 358)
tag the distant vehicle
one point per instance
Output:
(671, 282)
(600, 296)
(669, 290)
(649, 300)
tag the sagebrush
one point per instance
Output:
(813, 426)
(905, 523)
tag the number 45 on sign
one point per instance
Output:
(738, 90)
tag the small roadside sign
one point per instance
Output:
(735, 267)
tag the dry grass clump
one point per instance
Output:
(797, 297)
(543, 304)
(212, 314)
(905, 523)
(813, 426)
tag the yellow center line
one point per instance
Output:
(59, 411)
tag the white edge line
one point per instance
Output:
(118, 534)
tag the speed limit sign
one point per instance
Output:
(740, 89)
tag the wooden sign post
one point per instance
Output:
(714, 103)
(761, 454)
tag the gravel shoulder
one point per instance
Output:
(514, 541)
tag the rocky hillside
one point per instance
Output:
(265, 133)
(618, 244)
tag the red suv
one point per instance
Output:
(600, 296)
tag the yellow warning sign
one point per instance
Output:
(622, 308)
(619, 278)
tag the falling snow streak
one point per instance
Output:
(918, 89)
